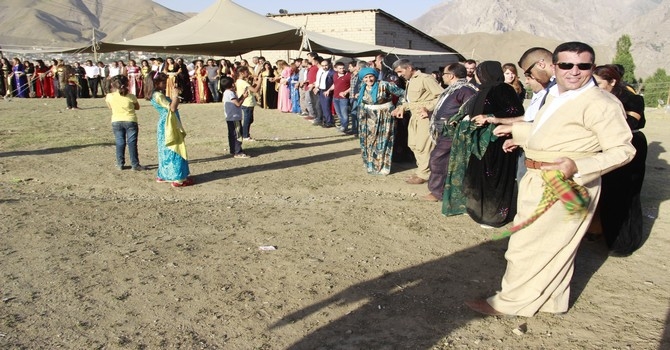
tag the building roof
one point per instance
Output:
(382, 13)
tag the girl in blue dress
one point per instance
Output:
(172, 157)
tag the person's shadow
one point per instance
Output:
(654, 189)
(654, 192)
(413, 308)
(54, 150)
(665, 340)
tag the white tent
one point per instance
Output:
(227, 29)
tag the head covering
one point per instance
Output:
(490, 74)
(375, 87)
(367, 70)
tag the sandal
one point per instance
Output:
(187, 182)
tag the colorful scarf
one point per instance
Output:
(574, 197)
(175, 134)
(374, 91)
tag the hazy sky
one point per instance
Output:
(405, 10)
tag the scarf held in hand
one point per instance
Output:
(175, 134)
(574, 198)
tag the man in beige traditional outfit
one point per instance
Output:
(421, 91)
(581, 130)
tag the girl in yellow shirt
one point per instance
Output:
(124, 122)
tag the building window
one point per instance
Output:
(409, 44)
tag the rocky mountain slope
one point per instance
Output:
(599, 23)
(62, 23)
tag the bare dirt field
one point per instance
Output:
(96, 258)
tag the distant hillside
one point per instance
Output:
(599, 23)
(68, 23)
(508, 47)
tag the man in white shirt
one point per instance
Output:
(103, 82)
(324, 82)
(93, 77)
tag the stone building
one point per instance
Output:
(373, 26)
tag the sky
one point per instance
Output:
(400, 9)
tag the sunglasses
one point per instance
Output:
(569, 66)
(527, 72)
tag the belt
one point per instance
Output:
(534, 164)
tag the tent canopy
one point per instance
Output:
(228, 29)
(223, 29)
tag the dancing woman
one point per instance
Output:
(172, 156)
(620, 209)
(376, 125)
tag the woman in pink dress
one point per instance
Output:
(134, 79)
(284, 94)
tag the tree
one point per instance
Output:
(656, 89)
(624, 58)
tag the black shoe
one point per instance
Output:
(139, 168)
(328, 125)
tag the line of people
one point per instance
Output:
(476, 147)
(572, 162)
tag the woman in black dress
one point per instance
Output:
(490, 178)
(619, 206)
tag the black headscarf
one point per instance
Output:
(490, 74)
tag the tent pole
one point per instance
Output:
(95, 49)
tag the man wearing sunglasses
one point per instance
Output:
(581, 132)
(458, 91)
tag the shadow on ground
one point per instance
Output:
(39, 152)
(415, 308)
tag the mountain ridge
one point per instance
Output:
(68, 23)
(65, 22)
(598, 23)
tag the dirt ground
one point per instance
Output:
(96, 258)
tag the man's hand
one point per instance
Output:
(502, 130)
(425, 113)
(479, 120)
(566, 165)
(398, 112)
(509, 146)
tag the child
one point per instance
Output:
(124, 122)
(242, 84)
(233, 114)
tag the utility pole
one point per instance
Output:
(94, 44)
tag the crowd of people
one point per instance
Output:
(476, 148)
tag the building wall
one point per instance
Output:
(365, 26)
(356, 26)
(394, 34)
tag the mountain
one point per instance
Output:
(68, 23)
(599, 23)
(508, 47)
